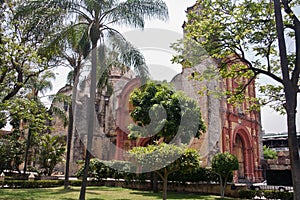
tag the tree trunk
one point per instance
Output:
(290, 90)
(154, 182)
(27, 151)
(69, 140)
(90, 121)
(165, 185)
(224, 187)
(221, 186)
(71, 125)
(294, 152)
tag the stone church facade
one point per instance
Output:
(230, 128)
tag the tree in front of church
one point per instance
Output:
(160, 112)
(224, 164)
(165, 159)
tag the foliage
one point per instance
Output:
(248, 39)
(100, 169)
(26, 116)
(32, 184)
(243, 29)
(277, 195)
(165, 156)
(247, 194)
(20, 59)
(224, 164)
(165, 159)
(11, 151)
(195, 175)
(50, 152)
(268, 194)
(159, 112)
(269, 153)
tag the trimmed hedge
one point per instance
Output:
(247, 194)
(99, 170)
(268, 194)
(32, 184)
(271, 194)
(196, 175)
(43, 183)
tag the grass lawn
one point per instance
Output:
(93, 193)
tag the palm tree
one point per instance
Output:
(98, 16)
(122, 55)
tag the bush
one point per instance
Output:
(247, 194)
(199, 174)
(270, 194)
(99, 170)
(33, 184)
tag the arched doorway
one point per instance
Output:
(239, 152)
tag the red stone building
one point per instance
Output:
(229, 128)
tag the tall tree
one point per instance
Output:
(98, 16)
(20, 61)
(118, 53)
(36, 85)
(248, 39)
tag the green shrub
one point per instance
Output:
(99, 170)
(33, 184)
(268, 194)
(271, 194)
(247, 194)
(199, 174)
(75, 182)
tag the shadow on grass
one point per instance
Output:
(174, 195)
(63, 191)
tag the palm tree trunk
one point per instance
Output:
(69, 139)
(90, 120)
(290, 91)
(71, 125)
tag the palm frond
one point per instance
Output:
(60, 113)
(128, 54)
(134, 12)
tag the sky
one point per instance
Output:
(158, 56)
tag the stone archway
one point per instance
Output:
(239, 153)
(243, 149)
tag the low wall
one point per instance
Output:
(203, 188)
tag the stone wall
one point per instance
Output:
(199, 188)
